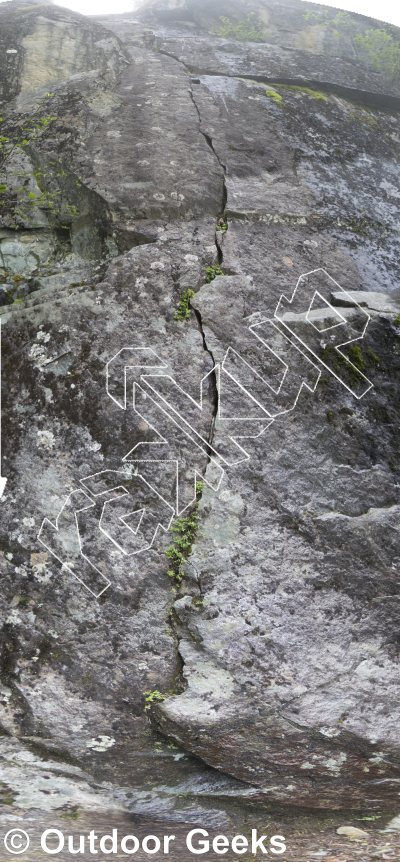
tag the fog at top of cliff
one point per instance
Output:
(385, 10)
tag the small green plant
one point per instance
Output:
(397, 320)
(250, 29)
(330, 416)
(72, 814)
(183, 312)
(181, 548)
(272, 94)
(373, 817)
(221, 225)
(381, 50)
(212, 271)
(199, 487)
(152, 697)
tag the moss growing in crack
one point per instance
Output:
(183, 312)
(250, 29)
(152, 697)
(212, 272)
(181, 548)
(221, 224)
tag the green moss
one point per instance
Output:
(372, 359)
(356, 357)
(397, 320)
(72, 814)
(330, 416)
(334, 360)
(316, 94)
(364, 117)
(273, 95)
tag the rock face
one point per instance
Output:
(199, 263)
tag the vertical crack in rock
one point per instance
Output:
(220, 258)
(213, 378)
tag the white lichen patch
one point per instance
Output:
(46, 439)
(39, 567)
(14, 618)
(101, 743)
(329, 731)
(38, 355)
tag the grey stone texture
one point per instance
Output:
(183, 160)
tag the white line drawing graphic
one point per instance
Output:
(133, 360)
(64, 534)
(2, 479)
(131, 530)
(342, 332)
(130, 507)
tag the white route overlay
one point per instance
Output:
(306, 335)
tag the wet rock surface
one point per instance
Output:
(153, 377)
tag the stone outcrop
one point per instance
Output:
(186, 179)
